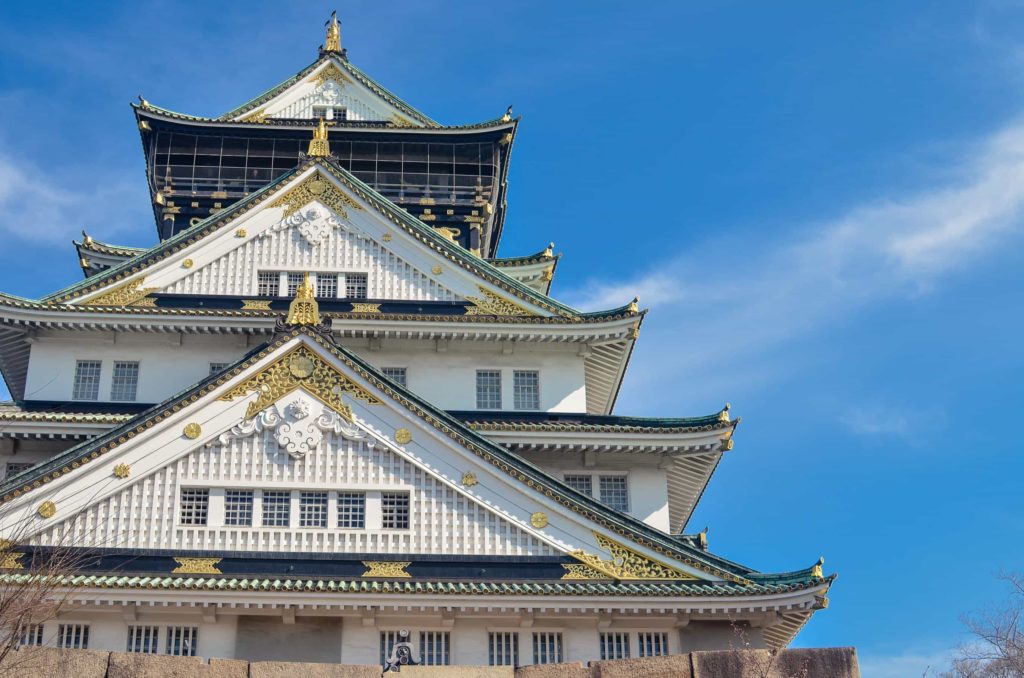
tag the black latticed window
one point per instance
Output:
(394, 510)
(352, 510)
(143, 639)
(355, 286)
(503, 648)
(326, 285)
(614, 645)
(434, 648)
(195, 504)
(277, 508)
(313, 509)
(182, 641)
(238, 507)
(547, 648)
(652, 644)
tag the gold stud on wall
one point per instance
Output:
(469, 479)
(436, 270)
(187, 263)
(192, 431)
(122, 471)
(403, 436)
(47, 509)
(539, 520)
(241, 233)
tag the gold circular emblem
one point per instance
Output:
(469, 479)
(240, 233)
(47, 509)
(539, 520)
(316, 187)
(192, 431)
(436, 270)
(122, 471)
(187, 263)
(403, 436)
(300, 366)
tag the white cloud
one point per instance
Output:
(724, 309)
(52, 206)
(905, 665)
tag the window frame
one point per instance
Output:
(310, 509)
(237, 512)
(125, 385)
(485, 400)
(137, 645)
(393, 373)
(355, 514)
(193, 520)
(79, 377)
(396, 511)
(286, 505)
(518, 398)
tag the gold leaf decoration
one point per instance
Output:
(365, 308)
(401, 121)
(330, 72)
(403, 436)
(47, 509)
(192, 431)
(493, 304)
(11, 561)
(317, 188)
(196, 566)
(469, 479)
(539, 520)
(122, 471)
(393, 569)
(626, 563)
(580, 571)
(259, 115)
(256, 305)
(300, 368)
(122, 295)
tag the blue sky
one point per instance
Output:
(820, 204)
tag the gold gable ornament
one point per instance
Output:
(625, 564)
(332, 43)
(304, 310)
(319, 145)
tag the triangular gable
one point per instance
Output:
(329, 86)
(445, 271)
(221, 409)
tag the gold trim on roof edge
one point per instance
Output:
(300, 368)
(122, 295)
(627, 564)
(330, 72)
(494, 304)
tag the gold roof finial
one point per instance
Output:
(333, 41)
(550, 251)
(304, 310)
(319, 146)
(634, 306)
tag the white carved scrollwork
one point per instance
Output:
(314, 224)
(298, 424)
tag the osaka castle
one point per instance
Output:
(322, 411)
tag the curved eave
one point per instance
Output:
(149, 111)
(95, 246)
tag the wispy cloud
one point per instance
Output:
(52, 207)
(905, 665)
(732, 305)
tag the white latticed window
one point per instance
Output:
(614, 646)
(238, 507)
(434, 647)
(268, 283)
(294, 280)
(143, 639)
(195, 504)
(182, 640)
(87, 380)
(652, 644)
(394, 508)
(352, 510)
(503, 649)
(547, 648)
(125, 383)
(326, 285)
(217, 367)
(488, 389)
(277, 507)
(615, 492)
(73, 636)
(313, 509)
(526, 389)
(581, 482)
(355, 286)
(395, 374)
(31, 635)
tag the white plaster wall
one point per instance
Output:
(109, 631)
(172, 363)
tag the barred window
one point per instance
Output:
(125, 383)
(352, 510)
(277, 508)
(652, 644)
(434, 648)
(326, 285)
(73, 636)
(395, 374)
(547, 648)
(488, 389)
(217, 367)
(395, 510)
(388, 640)
(13, 468)
(268, 283)
(355, 285)
(195, 504)
(312, 509)
(503, 649)
(526, 389)
(87, 380)
(31, 635)
(614, 646)
(294, 280)
(615, 492)
(182, 640)
(238, 507)
(581, 482)
(143, 639)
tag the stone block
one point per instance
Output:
(138, 665)
(566, 670)
(292, 669)
(227, 668)
(832, 662)
(460, 671)
(50, 662)
(672, 666)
